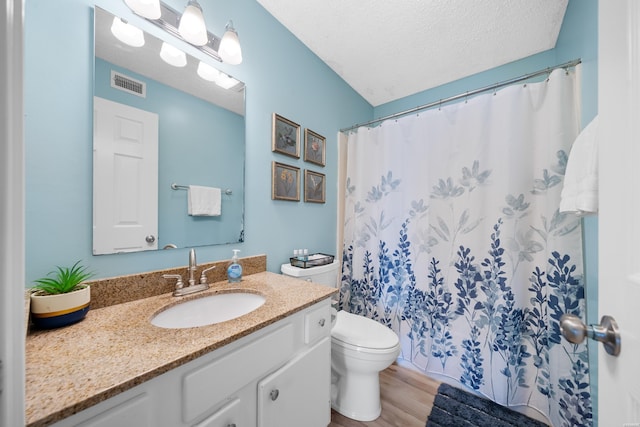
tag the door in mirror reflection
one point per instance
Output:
(125, 178)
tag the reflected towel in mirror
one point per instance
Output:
(204, 201)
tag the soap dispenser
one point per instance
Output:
(234, 271)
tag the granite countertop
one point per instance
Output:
(116, 348)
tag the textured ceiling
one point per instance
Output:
(389, 49)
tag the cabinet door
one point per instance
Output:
(298, 394)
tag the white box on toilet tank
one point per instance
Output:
(322, 274)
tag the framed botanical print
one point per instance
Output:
(285, 138)
(315, 147)
(314, 187)
(285, 182)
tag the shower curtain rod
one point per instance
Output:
(494, 87)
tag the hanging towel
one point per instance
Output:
(580, 192)
(204, 201)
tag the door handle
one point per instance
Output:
(575, 331)
(150, 238)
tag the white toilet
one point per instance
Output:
(360, 349)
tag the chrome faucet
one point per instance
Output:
(193, 266)
(191, 287)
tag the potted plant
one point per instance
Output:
(61, 298)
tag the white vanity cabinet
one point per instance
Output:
(278, 376)
(291, 396)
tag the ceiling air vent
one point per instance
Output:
(127, 84)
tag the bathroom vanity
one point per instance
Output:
(270, 367)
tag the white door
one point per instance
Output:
(125, 178)
(619, 211)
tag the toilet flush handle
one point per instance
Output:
(274, 394)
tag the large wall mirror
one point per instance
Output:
(159, 131)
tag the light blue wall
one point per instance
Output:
(282, 76)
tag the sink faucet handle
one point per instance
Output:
(179, 282)
(203, 276)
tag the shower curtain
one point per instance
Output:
(452, 237)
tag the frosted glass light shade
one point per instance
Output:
(127, 33)
(230, 50)
(149, 9)
(192, 27)
(207, 72)
(172, 55)
(225, 81)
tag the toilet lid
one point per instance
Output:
(362, 332)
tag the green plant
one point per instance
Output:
(65, 279)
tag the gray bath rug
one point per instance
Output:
(458, 408)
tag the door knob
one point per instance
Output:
(150, 238)
(606, 332)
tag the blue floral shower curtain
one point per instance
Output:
(453, 238)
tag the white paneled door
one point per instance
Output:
(125, 178)
(619, 212)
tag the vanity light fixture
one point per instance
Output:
(207, 72)
(179, 25)
(149, 9)
(172, 55)
(127, 33)
(225, 81)
(211, 74)
(230, 50)
(192, 27)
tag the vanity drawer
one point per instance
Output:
(209, 385)
(228, 415)
(317, 324)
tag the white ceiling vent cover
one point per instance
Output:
(128, 84)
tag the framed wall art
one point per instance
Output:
(285, 138)
(314, 187)
(314, 147)
(285, 182)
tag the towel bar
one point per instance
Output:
(175, 186)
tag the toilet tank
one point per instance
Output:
(322, 274)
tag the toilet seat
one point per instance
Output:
(354, 331)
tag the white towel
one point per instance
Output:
(204, 201)
(580, 192)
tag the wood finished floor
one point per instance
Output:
(406, 397)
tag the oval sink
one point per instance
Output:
(208, 310)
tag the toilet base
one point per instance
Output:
(356, 396)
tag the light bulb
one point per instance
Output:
(127, 33)
(172, 55)
(230, 50)
(225, 81)
(207, 72)
(149, 9)
(192, 27)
